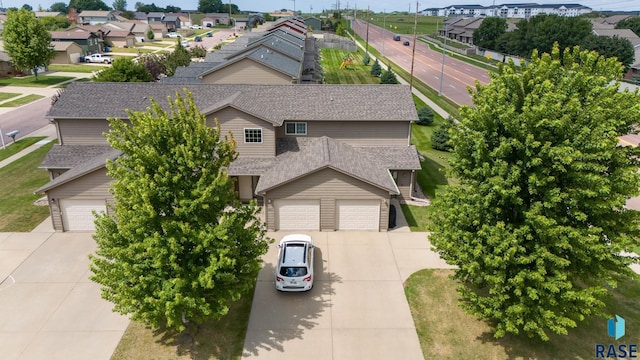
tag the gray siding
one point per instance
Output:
(328, 185)
(82, 132)
(358, 133)
(246, 71)
(234, 121)
(91, 186)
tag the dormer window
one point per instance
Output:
(295, 128)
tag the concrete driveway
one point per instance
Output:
(357, 308)
(49, 309)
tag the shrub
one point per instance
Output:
(440, 137)
(376, 69)
(388, 77)
(366, 59)
(425, 116)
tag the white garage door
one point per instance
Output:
(298, 214)
(358, 214)
(77, 214)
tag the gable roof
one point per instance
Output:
(262, 55)
(63, 45)
(69, 156)
(273, 103)
(309, 155)
(95, 163)
(71, 35)
(94, 13)
(621, 33)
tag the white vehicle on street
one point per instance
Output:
(196, 27)
(294, 270)
(173, 35)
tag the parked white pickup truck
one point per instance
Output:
(98, 58)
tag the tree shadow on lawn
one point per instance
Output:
(581, 341)
(431, 176)
(280, 317)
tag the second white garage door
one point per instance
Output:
(77, 214)
(358, 214)
(298, 214)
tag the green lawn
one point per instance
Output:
(18, 181)
(6, 95)
(355, 73)
(22, 100)
(447, 332)
(131, 50)
(43, 81)
(19, 145)
(218, 339)
(79, 68)
(403, 24)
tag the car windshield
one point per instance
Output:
(293, 271)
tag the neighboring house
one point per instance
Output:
(313, 23)
(185, 21)
(171, 22)
(155, 17)
(93, 17)
(67, 52)
(41, 14)
(141, 16)
(315, 157)
(215, 19)
(6, 68)
(139, 29)
(291, 24)
(159, 30)
(120, 38)
(280, 56)
(460, 29)
(90, 42)
(635, 42)
(518, 11)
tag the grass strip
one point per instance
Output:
(30, 81)
(22, 100)
(15, 147)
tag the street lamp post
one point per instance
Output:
(384, 28)
(444, 47)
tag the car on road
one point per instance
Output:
(406, 43)
(173, 35)
(396, 37)
(209, 34)
(196, 27)
(294, 270)
(184, 43)
(197, 38)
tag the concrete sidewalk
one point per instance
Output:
(48, 131)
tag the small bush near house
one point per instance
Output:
(388, 77)
(425, 116)
(440, 137)
(366, 59)
(376, 69)
(198, 51)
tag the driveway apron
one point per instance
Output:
(357, 308)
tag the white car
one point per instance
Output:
(184, 43)
(294, 270)
(196, 27)
(173, 35)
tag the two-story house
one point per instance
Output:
(317, 157)
(90, 42)
(95, 17)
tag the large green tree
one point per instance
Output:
(538, 223)
(607, 46)
(179, 57)
(27, 41)
(120, 5)
(489, 31)
(124, 70)
(54, 23)
(59, 7)
(632, 23)
(81, 5)
(209, 6)
(177, 247)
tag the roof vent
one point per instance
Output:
(262, 56)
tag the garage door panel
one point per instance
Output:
(358, 214)
(298, 214)
(77, 215)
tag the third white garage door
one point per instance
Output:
(298, 214)
(77, 214)
(358, 214)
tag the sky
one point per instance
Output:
(306, 6)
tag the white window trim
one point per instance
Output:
(295, 122)
(244, 133)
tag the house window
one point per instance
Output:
(295, 128)
(252, 135)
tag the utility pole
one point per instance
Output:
(384, 25)
(413, 55)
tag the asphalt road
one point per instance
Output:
(27, 118)
(458, 75)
